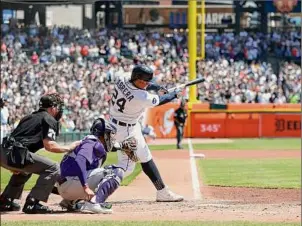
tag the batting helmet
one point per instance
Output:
(142, 72)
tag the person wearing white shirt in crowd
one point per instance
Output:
(4, 119)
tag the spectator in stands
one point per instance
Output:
(4, 119)
(35, 58)
(82, 64)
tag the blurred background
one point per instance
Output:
(77, 48)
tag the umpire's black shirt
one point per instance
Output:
(33, 128)
(181, 115)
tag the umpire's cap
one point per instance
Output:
(142, 72)
(51, 100)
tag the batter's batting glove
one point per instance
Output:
(179, 92)
(162, 91)
(116, 147)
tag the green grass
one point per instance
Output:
(243, 144)
(238, 144)
(111, 159)
(165, 147)
(264, 173)
(147, 223)
(130, 178)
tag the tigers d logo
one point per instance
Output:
(285, 6)
(287, 125)
(280, 125)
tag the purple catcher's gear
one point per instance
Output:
(112, 180)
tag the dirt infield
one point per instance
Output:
(136, 201)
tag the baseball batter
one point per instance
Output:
(130, 99)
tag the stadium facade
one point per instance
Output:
(224, 15)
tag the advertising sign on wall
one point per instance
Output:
(177, 17)
(208, 124)
(220, 125)
(281, 125)
(162, 120)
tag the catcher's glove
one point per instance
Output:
(129, 147)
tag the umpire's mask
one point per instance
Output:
(53, 100)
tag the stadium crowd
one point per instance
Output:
(81, 65)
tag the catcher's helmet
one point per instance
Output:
(100, 127)
(142, 72)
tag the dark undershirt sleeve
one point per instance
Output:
(166, 98)
(153, 87)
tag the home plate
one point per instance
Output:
(198, 156)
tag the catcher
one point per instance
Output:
(82, 179)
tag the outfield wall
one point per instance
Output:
(238, 121)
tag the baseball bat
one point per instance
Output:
(190, 83)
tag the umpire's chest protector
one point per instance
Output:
(33, 128)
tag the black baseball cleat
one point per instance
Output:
(32, 206)
(7, 205)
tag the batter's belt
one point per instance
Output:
(120, 123)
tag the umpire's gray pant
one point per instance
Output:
(48, 170)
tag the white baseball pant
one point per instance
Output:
(143, 152)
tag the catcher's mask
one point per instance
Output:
(102, 128)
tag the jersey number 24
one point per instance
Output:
(119, 102)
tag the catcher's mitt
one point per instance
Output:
(129, 147)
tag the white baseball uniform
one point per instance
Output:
(127, 105)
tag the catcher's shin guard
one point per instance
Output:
(109, 184)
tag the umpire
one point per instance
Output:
(18, 154)
(180, 117)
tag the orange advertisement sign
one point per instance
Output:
(281, 125)
(222, 124)
(162, 120)
(208, 125)
(219, 125)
